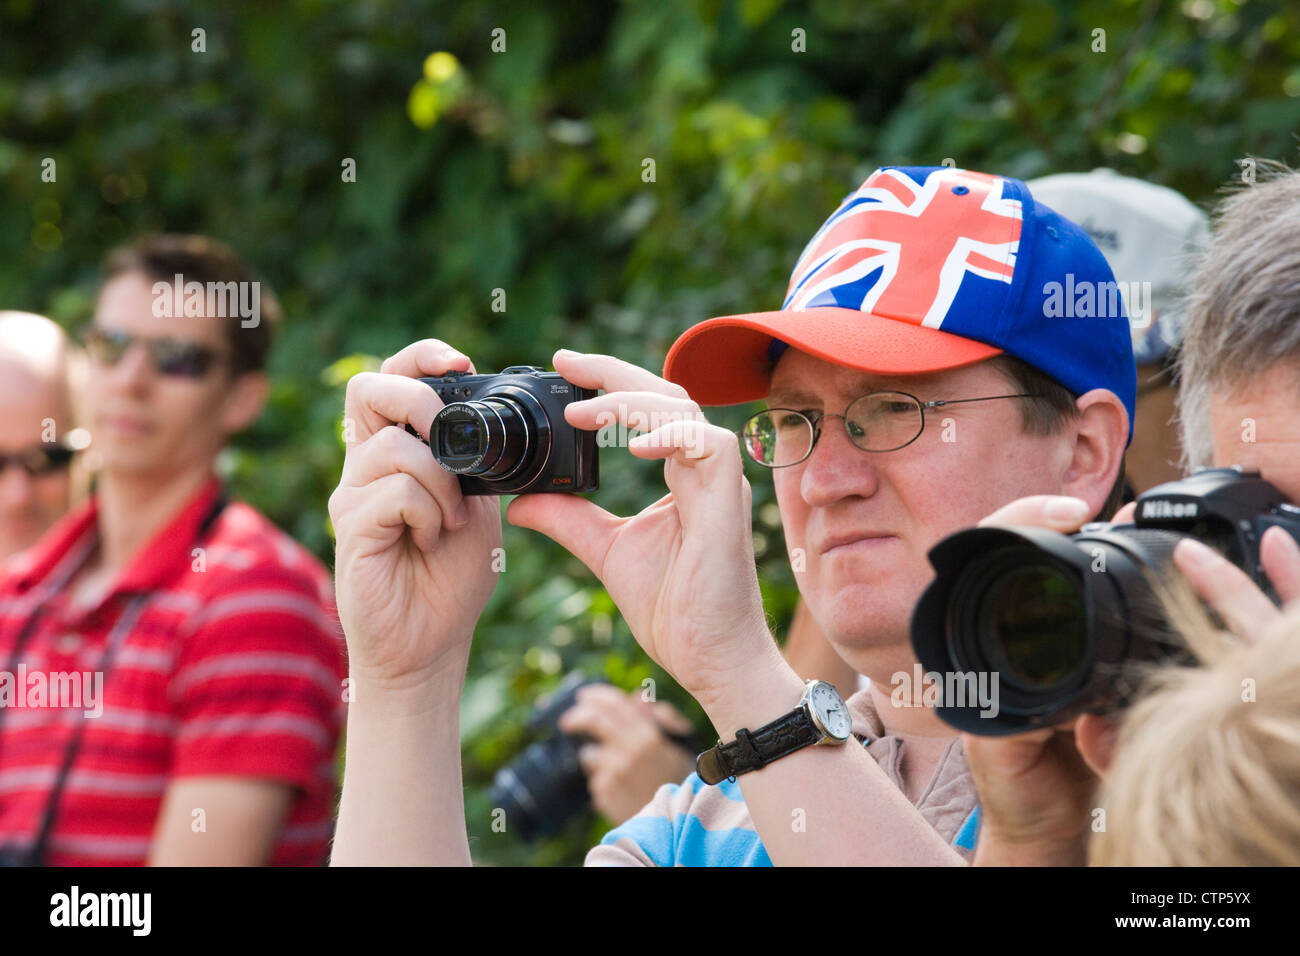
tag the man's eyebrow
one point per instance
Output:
(793, 398)
(788, 399)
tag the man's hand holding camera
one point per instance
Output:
(414, 555)
(682, 571)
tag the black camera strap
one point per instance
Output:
(116, 638)
(35, 855)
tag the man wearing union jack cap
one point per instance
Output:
(915, 382)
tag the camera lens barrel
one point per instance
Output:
(502, 436)
(543, 788)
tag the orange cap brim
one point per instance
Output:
(724, 361)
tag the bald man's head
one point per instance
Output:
(35, 415)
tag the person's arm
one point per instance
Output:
(403, 801)
(682, 573)
(811, 656)
(256, 700)
(828, 805)
(413, 572)
(219, 821)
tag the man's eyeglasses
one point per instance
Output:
(169, 356)
(878, 421)
(39, 460)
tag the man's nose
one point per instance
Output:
(837, 468)
(134, 370)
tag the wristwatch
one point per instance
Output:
(820, 718)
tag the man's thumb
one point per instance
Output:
(579, 526)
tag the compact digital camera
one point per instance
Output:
(505, 434)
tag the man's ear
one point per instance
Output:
(1101, 434)
(246, 394)
(1095, 738)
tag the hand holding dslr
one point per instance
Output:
(1037, 788)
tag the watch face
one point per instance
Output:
(831, 710)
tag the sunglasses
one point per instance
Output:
(38, 461)
(169, 356)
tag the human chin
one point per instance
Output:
(132, 453)
(860, 617)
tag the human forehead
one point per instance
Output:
(126, 304)
(800, 377)
(30, 402)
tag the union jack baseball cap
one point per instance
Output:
(923, 269)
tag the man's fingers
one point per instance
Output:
(1226, 588)
(599, 718)
(393, 449)
(384, 509)
(591, 370)
(1280, 555)
(706, 477)
(641, 411)
(670, 718)
(1007, 755)
(695, 440)
(589, 758)
(1055, 512)
(376, 400)
(582, 528)
(1126, 514)
(426, 358)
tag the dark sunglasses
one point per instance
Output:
(37, 461)
(169, 356)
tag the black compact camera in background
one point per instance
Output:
(505, 434)
(1062, 619)
(544, 787)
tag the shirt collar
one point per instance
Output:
(157, 562)
(41, 559)
(150, 569)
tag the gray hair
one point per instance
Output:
(1243, 312)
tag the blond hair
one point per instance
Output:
(1207, 765)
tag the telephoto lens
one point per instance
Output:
(1024, 628)
(544, 787)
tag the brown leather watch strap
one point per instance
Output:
(753, 750)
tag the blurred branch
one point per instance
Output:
(1103, 110)
(968, 31)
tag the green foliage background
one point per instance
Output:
(522, 171)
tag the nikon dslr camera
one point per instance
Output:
(1061, 620)
(506, 434)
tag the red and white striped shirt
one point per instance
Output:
(229, 661)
